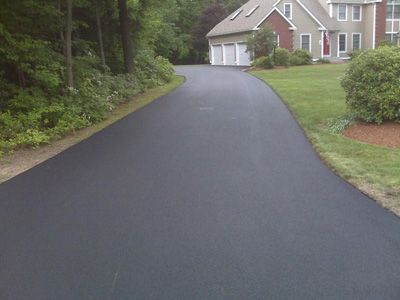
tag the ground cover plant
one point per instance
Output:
(315, 96)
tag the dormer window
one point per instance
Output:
(236, 14)
(342, 12)
(253, 10)
(287, 9)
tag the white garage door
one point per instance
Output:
(244, 57)
(230, 54)
(217, 55)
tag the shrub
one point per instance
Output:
(300, 57)
(282, 57)
(353, 54)
(324, 61)
(264, 62)
(262, 42)
(372, 85)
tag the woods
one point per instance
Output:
(65, 64)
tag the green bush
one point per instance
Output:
(324, 61)
(264, 62)
(34, 115)
(372, 85)
(353, 54)
(281, 57)
(300, 57)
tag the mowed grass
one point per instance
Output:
(314, 95)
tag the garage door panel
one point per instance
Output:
(217, 55)
(230, 54)
(244, 57)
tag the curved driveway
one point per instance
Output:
(211, 192)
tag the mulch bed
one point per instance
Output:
(386, 134)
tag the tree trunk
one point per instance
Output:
(68, 45)
(100, 36)
(126, 35)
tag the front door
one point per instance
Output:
(327, 47)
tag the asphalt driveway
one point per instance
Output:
(211, 192)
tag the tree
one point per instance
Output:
(126, 35)
(210, 17)
(262, 43)
(100, 35)
(68, 45)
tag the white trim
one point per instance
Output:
(352, 40)
(352, 13)
(291, 10)
(338, 12)
(322, 44)
(374, 28)
(345, 43)
(301, 41)
(293, 27)
(210, 54)
(330, 10)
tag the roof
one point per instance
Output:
(242, 23)
(320, 14)
(245, 23)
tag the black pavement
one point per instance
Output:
(211, 192)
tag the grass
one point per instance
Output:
(314, 95)
(24, 159)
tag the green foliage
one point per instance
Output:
(281, 57)
(353, 54)
(372, 84)
(262, 43)
(264, 62)
(300, 57)
(338, 125)
(323, 61)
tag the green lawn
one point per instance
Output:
(314, 95)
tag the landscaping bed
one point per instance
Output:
(386, 134)
(315, 96)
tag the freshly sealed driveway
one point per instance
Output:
(212, 192)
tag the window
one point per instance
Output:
(236, 14)
(253, 10)
(305, 42)
(342, 42)
(342, 12)
(276, 39)
(287, 7)
(393, 11)
(356, 13)
(356, 41)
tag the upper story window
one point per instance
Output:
(342, 12)
(253, 10)
(287, 10)
(236, 14)
(356, 12)
(393, 10)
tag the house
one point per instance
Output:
(325, 28)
